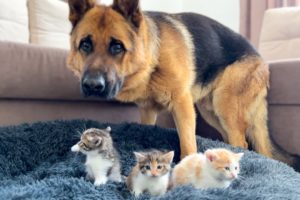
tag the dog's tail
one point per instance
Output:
(283, 156)
(262, 140)
(263, 143)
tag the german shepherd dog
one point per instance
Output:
(172, 61)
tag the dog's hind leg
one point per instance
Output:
(148, 115)
(258, 132)
(239, 102)
(230, 114)
(210, 118)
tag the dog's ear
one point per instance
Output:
(130, 9)
(78, 8)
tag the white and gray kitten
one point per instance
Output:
(102, 159)
(151, 173)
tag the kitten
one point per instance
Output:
(102, 159)
(216, 168)
(151, 173)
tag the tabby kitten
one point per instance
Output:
(151, 173)
(102, 159)
(216, 168)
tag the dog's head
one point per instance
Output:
(105, 45)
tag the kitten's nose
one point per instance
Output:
(233, 176)
(154, 173)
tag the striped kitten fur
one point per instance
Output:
(151, 173)
(102, 159)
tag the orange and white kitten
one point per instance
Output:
(151, 173)
(216, 168)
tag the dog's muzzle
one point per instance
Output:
(96, 84)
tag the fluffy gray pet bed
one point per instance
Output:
(36, 163)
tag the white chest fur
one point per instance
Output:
(208, 181)
(155, 186)
(97, 168)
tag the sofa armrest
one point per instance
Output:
(284, 82)
(284, 104)
(35, 72)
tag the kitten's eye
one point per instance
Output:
(86, 45)
(159, 167)
(116, 47)
(147, 167)
(85, 147)
(236, 168)
(227, 168)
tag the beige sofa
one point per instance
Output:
(280, 45)
(35, 85)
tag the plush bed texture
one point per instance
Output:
(36, 163)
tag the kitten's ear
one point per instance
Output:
(239, 155)
(108, 129)
(211, 155)
(78, 8)
(130, 10)
(139, 156)
(169, 156)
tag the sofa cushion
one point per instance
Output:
(49, 25)
(30, 71)
(14, 21)
(35, 72)
(279, 39)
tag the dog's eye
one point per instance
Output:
(86, 45)
(116, 47)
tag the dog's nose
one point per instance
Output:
(93, 84)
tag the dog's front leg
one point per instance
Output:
(184, 115)
(148, 115)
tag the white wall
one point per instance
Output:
(226, 12)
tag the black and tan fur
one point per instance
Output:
(173, 62)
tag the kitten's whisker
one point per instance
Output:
(79, 132)
(241, 178)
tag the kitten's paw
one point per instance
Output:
(137, 193)
(100, 182)
(89, 177)
(159, 193)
